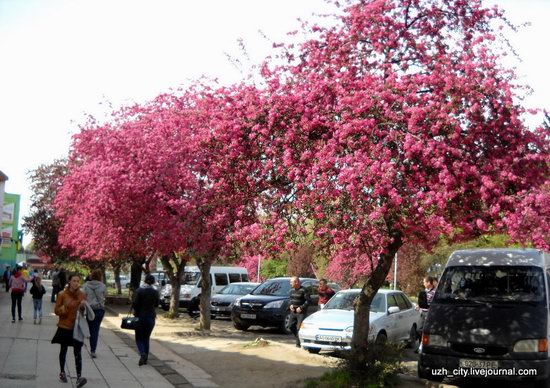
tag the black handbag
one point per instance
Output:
(129, 322)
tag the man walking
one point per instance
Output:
(299, 300)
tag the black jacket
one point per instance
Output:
(37, 293)
(300, 298)
(146, 301)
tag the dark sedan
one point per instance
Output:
(222, 303)
(267, 305)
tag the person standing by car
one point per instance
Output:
(67, 305)
(299, 300)
(324, 292)
(95, 292)
(425, 297)
(146, 300)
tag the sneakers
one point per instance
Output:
(20, 318)
(142, 360)
(80, 382)
(63, 377)
(13, 320)
(39, 321)
(93, 355)
(34, 322)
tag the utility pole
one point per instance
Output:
(395, 272)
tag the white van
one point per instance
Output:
(191, 284)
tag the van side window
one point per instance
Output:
(234, 277)
(401, 302)
(245, 277)
(221, 279)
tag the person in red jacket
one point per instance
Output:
(17, 286)
(325, 293)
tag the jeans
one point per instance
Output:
(294, 324)
(143, 334)
(16, 298)
(37, 303)
(94, 326)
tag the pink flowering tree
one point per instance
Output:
(399, 124)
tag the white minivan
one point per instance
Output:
(191, 284)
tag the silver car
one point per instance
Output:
(393, 317)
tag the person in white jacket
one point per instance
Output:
(95, 292)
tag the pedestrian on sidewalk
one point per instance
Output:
(37, 292)
(55, 284)
(68, 303)
(17, 286)
(146, 300)
(6, 277)
(95, 292)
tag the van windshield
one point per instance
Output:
(491, 284)
(190, 278)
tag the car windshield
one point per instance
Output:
(191, 278)
(344, 301)
(237, 289)
(274, 288)
(491, 284)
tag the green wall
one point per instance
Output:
(9, 229)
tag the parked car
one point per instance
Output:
(267, 305)
(221, 304)
(124, 281)
(190, 290)
(392, 317)
(490, 314)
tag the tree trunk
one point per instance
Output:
(361, 326)
(135, 275)
(116, 270)
(206, 287)
(175, 276)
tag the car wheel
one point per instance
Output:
(240, 326)
(381, 338)
(313, 350)
(413, 338)
(284, 326)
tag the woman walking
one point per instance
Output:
(67, 306)
(145, 303)
(37, 292)
(95, 292)
(17, 284)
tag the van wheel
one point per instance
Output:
(240, 326)
(313, 350)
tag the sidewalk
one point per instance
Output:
(29, 359)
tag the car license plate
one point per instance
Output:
(477, 364)
(248, 316)
(329, 338)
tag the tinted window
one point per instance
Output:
(245, 277)
(234, 277)
(344, 301)
(221, 279)
(311, 287)
(237, 289)
(273, 287)
(401, 303)
(495, 284)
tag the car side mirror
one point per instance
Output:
(393, 310)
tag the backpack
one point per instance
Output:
(18, 284)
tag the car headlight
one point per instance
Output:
(433, 340)
(348, 332)
(531, 346)
(307, 325)
(274, 305)
(237, 302)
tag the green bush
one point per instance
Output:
(383, 365)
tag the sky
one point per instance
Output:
(64, 59)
